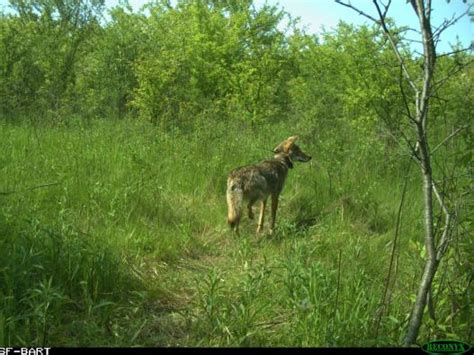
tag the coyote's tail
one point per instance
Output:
(234, 204)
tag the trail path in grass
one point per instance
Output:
(177, 286)
(180, 287)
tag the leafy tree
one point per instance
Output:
(106, 74)
(51, 35)
(224, 57)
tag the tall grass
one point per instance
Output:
(113, 233)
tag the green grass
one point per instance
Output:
(128, 246)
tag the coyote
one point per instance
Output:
(254, 183)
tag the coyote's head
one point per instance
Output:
(289, 148)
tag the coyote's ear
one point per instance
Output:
(278, 148)
(290, 141)
(286, 145)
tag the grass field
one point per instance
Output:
(114, 233)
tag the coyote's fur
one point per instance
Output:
(254, 183)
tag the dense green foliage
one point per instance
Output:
(116, 136)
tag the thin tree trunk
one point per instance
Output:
(420, 303)
(422, 107)
(431, 262)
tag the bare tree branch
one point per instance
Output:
(357, 10)
(404, 96)
(470, 48)
(448, 23)
(448, 138)
(386, 7)
(381, 22)
(411, 152)
(394, 46)
(454, 70)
